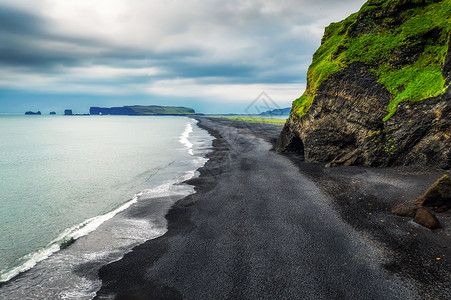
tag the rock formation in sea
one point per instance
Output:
(141, 110)
(378, 89)
(33, 113)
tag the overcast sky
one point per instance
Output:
(211, 55)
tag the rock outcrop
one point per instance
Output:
(31, 113)
(405, 210)
(123, 111)
(438, 195)
(377, 90)
(139, 110)
(437, 198)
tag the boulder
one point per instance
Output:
(437, 196)
(405, 210)
(436, 199)
(426, 218)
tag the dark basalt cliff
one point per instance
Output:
(139, 110)
(121, 111)
(378, 107)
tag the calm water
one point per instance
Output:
(76, 177)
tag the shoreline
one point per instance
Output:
(163, 268)
(107, 236)
(178, 222)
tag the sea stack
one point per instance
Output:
(33, 113)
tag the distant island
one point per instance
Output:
(33, 113)
(138, 110)
(134, 110)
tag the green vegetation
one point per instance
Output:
(260, 120)
(377, 132)
(403, 42)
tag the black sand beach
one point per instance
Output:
(270, 226)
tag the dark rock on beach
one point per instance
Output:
(437, 198)
(426, 218)
(405, 210)
(438, 195)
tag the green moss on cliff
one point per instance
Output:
(403, 42)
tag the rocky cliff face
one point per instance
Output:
(141, 110)
(118, 111)
(377, 91)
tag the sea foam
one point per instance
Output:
(125, 231)
(73, 233)
(184, 138)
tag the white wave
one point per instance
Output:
(170, 188)
(184, 138)
(84, 290)
(30, 261)
(82, 229)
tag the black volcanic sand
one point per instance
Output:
(265, 225)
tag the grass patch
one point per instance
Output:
(162, 110)
(260, 120)
(404, 43)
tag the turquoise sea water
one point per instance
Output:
(62, 178)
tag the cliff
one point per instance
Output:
(138, 110)
(377, 89)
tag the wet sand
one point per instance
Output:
(271, 226)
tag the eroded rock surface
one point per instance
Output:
(356, 111)
(348, 113)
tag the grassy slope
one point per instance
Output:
(260, 120)
(162, 110)
(382, 45)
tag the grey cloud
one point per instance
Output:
(21, 36)
(14, 21)
(234, 41)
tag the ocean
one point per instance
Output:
(68, 187)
